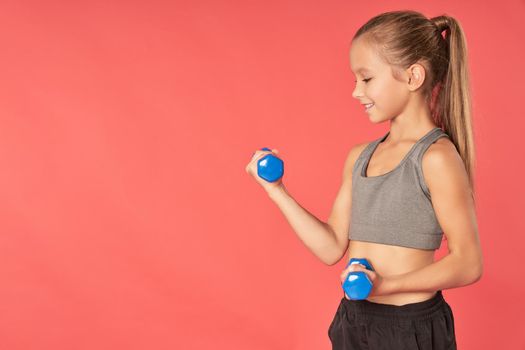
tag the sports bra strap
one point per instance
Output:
(419, 151)
(421, 148)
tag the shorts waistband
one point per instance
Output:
(419, 310)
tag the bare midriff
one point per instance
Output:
(388, 260)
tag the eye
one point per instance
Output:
(365, 80)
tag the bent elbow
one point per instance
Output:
(479, 269)
(477, 273)
(335, 258)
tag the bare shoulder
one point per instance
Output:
(352, 156)
(443, 168)
(441, 153)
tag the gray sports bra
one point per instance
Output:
(395, 208)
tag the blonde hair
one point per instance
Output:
(402, 38)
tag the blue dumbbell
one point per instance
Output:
(270, 167)
(357, 285)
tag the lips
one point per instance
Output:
(368, 105)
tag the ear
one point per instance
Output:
(416, 76)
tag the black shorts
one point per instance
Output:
(362, 324)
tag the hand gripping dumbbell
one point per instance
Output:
(357, 285)
(270, 167)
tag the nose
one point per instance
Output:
(357, 92)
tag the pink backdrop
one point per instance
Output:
(127, 218)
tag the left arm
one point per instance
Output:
(447, 181)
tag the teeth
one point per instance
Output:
(369, 105)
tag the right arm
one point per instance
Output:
(328, 241)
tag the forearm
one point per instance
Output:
(451, 271)
(318, 236)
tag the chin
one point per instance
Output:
(376, 120)
(379, 119)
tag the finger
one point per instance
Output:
(353, 267)
(258, 154)
(343, 276)
(260, 151)
(347, 271)
(357, 267)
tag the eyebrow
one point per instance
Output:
(363, 69)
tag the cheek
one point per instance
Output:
(389, 96)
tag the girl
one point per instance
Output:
(403, 190)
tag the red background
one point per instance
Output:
(127, 218)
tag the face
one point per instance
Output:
(376, 84)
